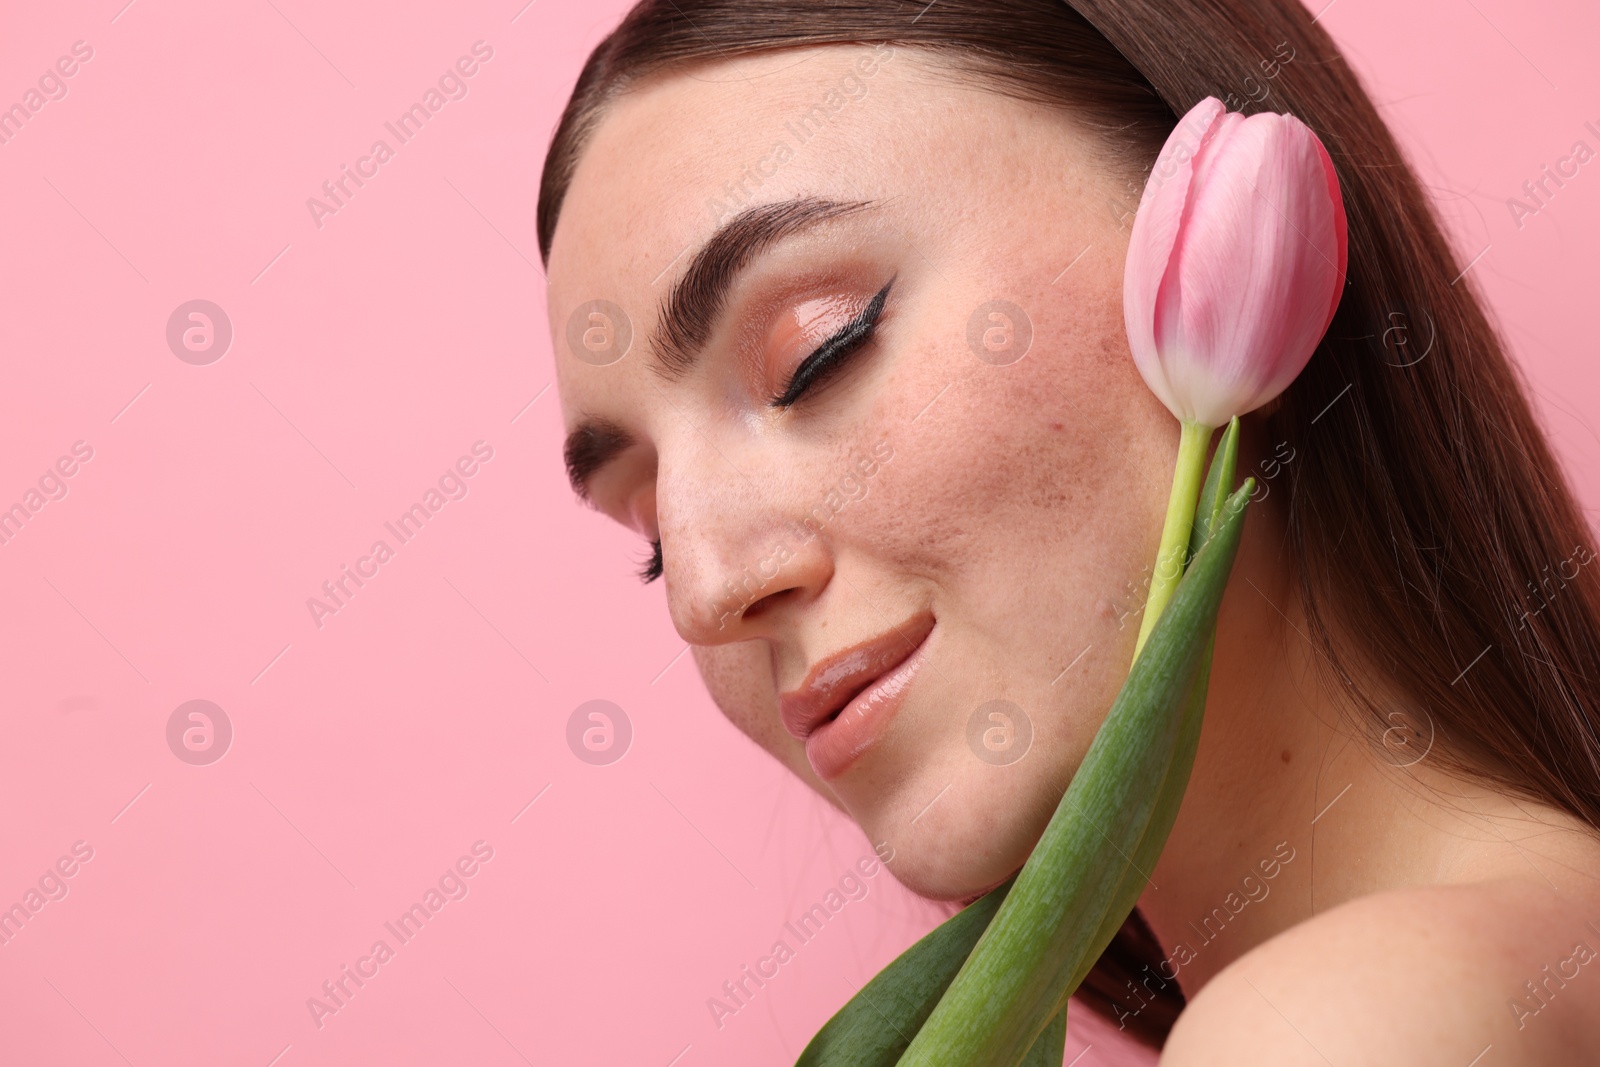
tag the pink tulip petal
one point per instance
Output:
(1337, 198)
(1236, 263)
(1156, 227)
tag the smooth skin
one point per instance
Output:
(1021, 507)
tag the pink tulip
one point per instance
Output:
(1235, 264)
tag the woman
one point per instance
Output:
(835, 290)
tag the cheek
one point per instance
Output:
(1025, 501)
(1057, 462)
(739, 679)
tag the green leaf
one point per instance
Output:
(877, 1024)
(1048, 929)
(1213, 497)
(1051, 1047)
(875, 1027)
(1214, 494)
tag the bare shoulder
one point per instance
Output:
(1487, 974)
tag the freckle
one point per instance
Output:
(1286, 755)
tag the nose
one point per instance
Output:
(736, 554)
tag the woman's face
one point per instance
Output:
(876, 403)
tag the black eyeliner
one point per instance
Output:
(832, 351)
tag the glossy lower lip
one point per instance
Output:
(834, 745)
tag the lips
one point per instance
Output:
(870, 678)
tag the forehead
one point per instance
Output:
(668, 162)
(683, 139)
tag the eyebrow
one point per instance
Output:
(691, 310)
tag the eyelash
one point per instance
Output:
(651, 569)
(835, 351)
(829, 357)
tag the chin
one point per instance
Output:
(936, 871)
(954, 855)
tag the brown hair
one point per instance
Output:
(1424, 502)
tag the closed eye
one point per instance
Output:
(833, 353)
(829, 357)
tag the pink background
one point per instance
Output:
(367, 356)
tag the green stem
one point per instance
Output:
(1172, 555)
